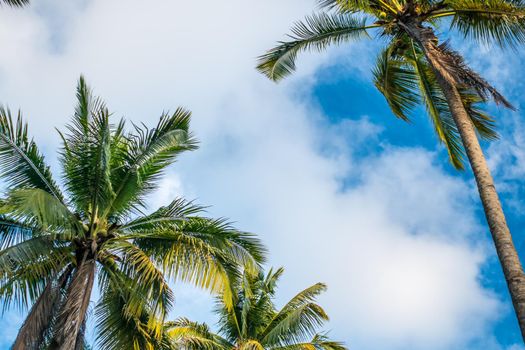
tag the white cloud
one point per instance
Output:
(393, 243)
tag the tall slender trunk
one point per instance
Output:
(505, 249)
(73, 312)
(31, 334)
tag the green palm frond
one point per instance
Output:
(405, 78)
(13, 232)
(502, 21)
(38, 209)
(149, 152)
(178, 242)
(251, 345)
(26, 268)
(86, 154)
(189, 259)
(316, 33)
(297, 320)
(172, 214)
(138, 267)
(483, 122)
(21, 163)
(117, 329)
(319, 342)
(191, 335)
(397, 81)
(372, 7)
(438, 110)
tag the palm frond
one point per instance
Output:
(191, 335)
(149, 153)
(13, 232)
(137, 266)
(21, 163)
(438, 110)
(124, 316)
(172, 214)
(316, 33)
(483, 123)
(319, 342)
(397, 82)
(86, 154)
(40, 210)
(371, 7)
(499, 21)
(297, 320)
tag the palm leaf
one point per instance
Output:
(501, 21)
(319, 342)
(397, 81)
(316, 33)
(297, 320)
(86, 154)
(21, 163)
(40, 210)
(149, 152)
(191, 335)
(124, 316)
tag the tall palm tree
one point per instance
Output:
(417, 67)
(254, 323)
(55, 243)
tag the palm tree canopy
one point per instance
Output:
(254, 322)
(47, 231)
(402, 73)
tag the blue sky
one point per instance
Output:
(339, 190)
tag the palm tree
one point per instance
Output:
(254, 323)
(54, 243)
(416, 68)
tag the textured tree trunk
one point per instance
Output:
(506, 251)
(31, 334)
(73, 312)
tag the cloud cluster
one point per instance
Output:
(391, 232)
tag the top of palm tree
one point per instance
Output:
(500, 21)
(403, 74)
(95, 225)
(254, 322)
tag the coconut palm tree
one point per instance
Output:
(418, 67)
(254, 323)
(55, 243)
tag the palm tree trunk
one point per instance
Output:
(73, 313)
(31, 334)
(506, 251)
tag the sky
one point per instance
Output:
(339, 190)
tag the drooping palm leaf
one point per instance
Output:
(21, 163)
(501, 21)
(316, 32)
